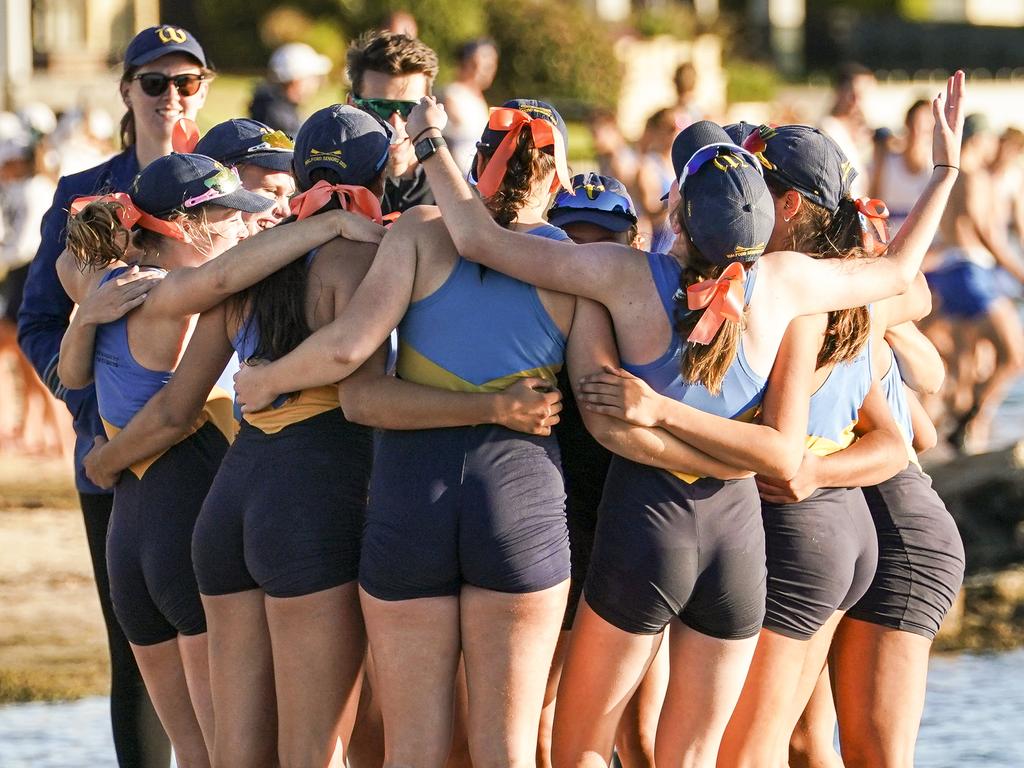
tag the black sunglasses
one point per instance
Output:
(155, 83)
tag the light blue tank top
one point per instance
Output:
(834, 406)
(742, 389)
(123, 385)
(896, 397)
(480, 331)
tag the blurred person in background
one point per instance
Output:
(165, 78)
(687, 109)
(389, 73)
(615, 157)
(1008, 183)
(986, 352)
(899, 177)
(26, 189)
(296, 72)
(846, 123)
(464, 101)
(84, 137)
(654, 178)
(401, 22)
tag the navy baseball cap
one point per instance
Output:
(347, 140)
(244, 141)
(490, 138)
(600, 200)
(176, 183)
(154, 42)
(727, 209)
(805, 159)
(738, 132)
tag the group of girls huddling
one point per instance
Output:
(749, 537)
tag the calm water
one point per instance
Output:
(974, 717)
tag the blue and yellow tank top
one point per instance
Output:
(742, 390)
(286, 409)
(124, 386)
(896, 397)
(480, 331)
(835, 404)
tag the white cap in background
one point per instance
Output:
(297, 60)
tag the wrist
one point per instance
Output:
(945, 170)
(496, 409)
(429, 132)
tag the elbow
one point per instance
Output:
(784, 464)
(925, 438)
(930, 385)
(71, 379)
(355, 405)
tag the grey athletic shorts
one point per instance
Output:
(920, 556)
(822, 554)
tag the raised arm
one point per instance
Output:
(601, 271)
(169, 414)
(920, 363)
(591, 348)
(877, 454)
(191, 290)
(813, 286)
(773, 447)
(372, 397)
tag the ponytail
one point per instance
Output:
(525, 165)
(822, 234)
(96, 236)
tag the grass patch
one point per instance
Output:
(74, 679)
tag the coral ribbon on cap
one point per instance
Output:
(355, 199)
(185, 135)
(721, 299)
(130, 215)
(544, 135)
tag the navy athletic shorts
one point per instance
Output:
(286, 511)
(482, 505)
(666, 548)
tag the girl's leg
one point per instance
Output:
(879, 680)
(638, 728)
(603, 669)
(508, 642)
(319, 643)
(242, 680)
(195, 659)
(366, 747)
(415, 647)
(547, 714)
(706, 678)
(811, 745)
(164, 672)
(458, 755)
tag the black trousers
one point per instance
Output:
(139, 739)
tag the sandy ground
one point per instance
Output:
(52, 640)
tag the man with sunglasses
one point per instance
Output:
(389, 74)
(165, 78)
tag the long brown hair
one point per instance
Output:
(526, 165)
(705, 364)
(824, 235)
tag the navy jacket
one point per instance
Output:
(46, 309)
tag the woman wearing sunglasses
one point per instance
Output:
(184, 211)
(154, 103)
(639, 581)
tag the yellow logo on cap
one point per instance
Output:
(535, 111)
(333, 156)
(740, 251)
(725, 162)
(171, 35)
(593, 190)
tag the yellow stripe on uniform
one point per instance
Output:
(305, 405)
(747, 417)
(413, 366)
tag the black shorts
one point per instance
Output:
(471, 505)
(666, 548)
(920, 556)
(286, 511)
(152, 584)
(822, 554)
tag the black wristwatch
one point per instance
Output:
(426, 147)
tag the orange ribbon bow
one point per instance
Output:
(721, 299)
(185, 135)
(873, 218)
(129, 215)
(356, 199)
(545, 135)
